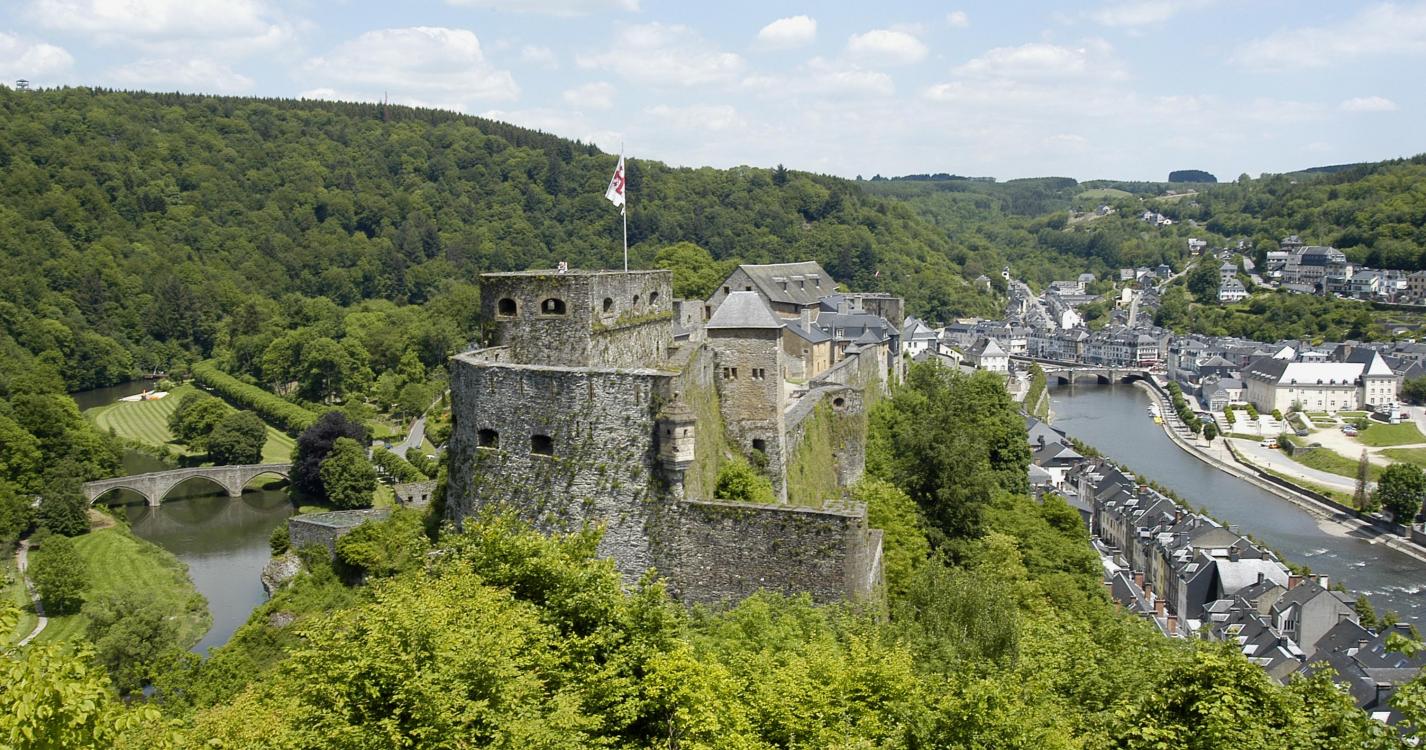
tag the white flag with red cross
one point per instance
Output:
(615, 193)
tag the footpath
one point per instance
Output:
(1221, 456)
(22, 563)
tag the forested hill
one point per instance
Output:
(1045, 228)
(134, 224)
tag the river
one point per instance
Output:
(1114, 419)
(222, 540)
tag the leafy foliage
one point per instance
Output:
(134, 638)
(59, 574)
(314, 444)
(238, 439)
(283, 414)
(1401, 490)
(739, 482)
(348, 478)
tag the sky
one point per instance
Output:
(1118, 89)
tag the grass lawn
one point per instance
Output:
(14, 593)
(1407, 455)
(1340, 498)
(1379, 435)
(147, 422)
(117, 561)
(1323, 459)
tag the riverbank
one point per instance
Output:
(118, 561)
(1324, 511)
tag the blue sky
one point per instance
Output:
(1118, 89)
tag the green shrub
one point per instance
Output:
(396, 467)
(739, 482)
(273, 409)
(278, 540)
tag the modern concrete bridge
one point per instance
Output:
(156, 485)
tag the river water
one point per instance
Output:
(222, 540)
(1114, 419)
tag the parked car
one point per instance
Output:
(1301, 432)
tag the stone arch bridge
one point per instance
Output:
(1069, 373)
(154, 486)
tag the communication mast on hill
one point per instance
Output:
(22, 85)
(385, 115)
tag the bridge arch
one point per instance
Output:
(155, 486)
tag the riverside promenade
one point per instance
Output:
(1219, 455)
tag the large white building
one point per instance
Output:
(1319, 386)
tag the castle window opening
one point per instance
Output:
(839, 402)
(730, 373)
(505, 307)
(760, 445)
(608, 304)
(487, 438)
(726, 290)
(653, 297)
(759, 373)
(552, 306)
(636, 300)
(542, 445)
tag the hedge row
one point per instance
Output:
(282, 414)
(396, 467)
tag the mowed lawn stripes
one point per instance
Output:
(147, 422)
(119, 561)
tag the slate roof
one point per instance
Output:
(814, 335)
(806, 282)
(744, 310)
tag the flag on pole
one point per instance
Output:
(615, 193)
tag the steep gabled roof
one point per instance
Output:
(744, 310)
(795, 283)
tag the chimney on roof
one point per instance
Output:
(1172, 623)
(1178, 515)
(1139, 578)
(1322, 581)
(1260, 578)
(1041, 440)
(1159, 607)
(1233, 553)
(1361, 644)
(1293, 580)
(805, 318)
(842, 307)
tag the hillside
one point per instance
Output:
(1375, 212)
(135, 225)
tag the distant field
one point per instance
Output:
(117, 560)
(147, 422)
(1102, 193)
(1379, 435)
(1326, 460)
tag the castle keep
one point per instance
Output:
(595, 405)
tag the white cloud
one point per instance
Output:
(190, 75)
(542, 56)
(1134, 13)
(1383, 29)
(714, 117)
(957, 19)
(1045, 60)
(422, 64)
(561, 8)
(665, 55)
(214, 26)
(887, 47)
(1368, 104)
(30, 59)
(821, 77)
(597, 95)
(786, 33)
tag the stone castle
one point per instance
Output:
(602, 400)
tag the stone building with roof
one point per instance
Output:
(587, 409)
(1278, 383)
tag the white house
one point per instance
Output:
(987, 355)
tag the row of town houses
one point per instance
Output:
(1193, 577)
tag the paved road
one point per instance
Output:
(1270, 458)
(22, 561)
(413, 438)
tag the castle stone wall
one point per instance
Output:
(752, 407)
(632, 330)
(602, 467)
(712, 552)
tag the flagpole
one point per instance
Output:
(624, 209)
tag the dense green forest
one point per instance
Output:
(146, 230)
(996, 633)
